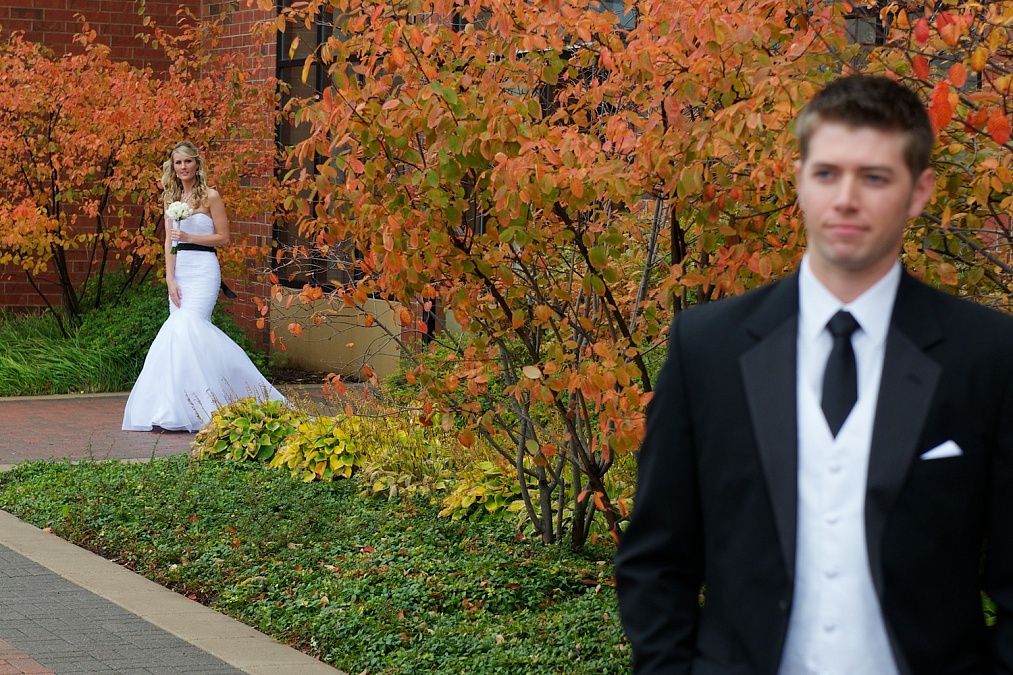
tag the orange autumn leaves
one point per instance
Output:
(957, 54)
(563, 202)
(82, 139)
(951, 30)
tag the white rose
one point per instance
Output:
(179, 211)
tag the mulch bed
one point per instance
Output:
(283, 375)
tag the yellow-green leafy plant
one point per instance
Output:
(490, 489)
(247, 430)
(323, 448)
(379, 481)
(485, 489)
(409, 453)
(408, 457)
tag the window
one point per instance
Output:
(315, 265)
(627, 17)
(864, 25)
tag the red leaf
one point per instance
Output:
(998, 127)
(940, 93)
(950, 34)
(975, 119)
(958, 75)
(941, 114)
(921, 66)
(940, 109)
(921, 31)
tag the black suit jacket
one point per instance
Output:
(717, 489)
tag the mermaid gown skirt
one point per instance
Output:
(192, 367)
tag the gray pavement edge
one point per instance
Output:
(221, 636)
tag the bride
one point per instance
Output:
(192, 367)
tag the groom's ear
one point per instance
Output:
(921, 192)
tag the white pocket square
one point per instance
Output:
(947, 449)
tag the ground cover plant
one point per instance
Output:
(369, 585)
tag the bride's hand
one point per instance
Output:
(175, 294)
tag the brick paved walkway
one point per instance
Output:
(66, 610)
(77, 427)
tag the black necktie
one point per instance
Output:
(840, 379)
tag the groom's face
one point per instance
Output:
(857, 195)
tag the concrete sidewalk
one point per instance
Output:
(66, 610)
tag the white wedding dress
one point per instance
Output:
(192, 367)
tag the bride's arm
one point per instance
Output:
(170, 265)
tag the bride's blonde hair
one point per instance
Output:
(172, 188)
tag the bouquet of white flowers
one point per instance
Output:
(178, 211)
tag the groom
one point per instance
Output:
(826, 483)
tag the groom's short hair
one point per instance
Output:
(871, 101)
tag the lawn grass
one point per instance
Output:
(366, 584)
(105, 353)
(36, 359)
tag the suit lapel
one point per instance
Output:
(907, 388)
(768, 374)
(906, 391)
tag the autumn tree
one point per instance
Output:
(82, 139)
(560, 182)
(958, 55)
(563, 184)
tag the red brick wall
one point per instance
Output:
(240, 21)
(116, 23)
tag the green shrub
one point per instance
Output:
(35, 358)
(105, 353)
(128, 327)
(248, 430)
(323, 448)
(489, 489)
(407, 457)
(394, 452)
(399, 442)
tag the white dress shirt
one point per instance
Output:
(836, 623)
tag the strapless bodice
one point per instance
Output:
(198, 223)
